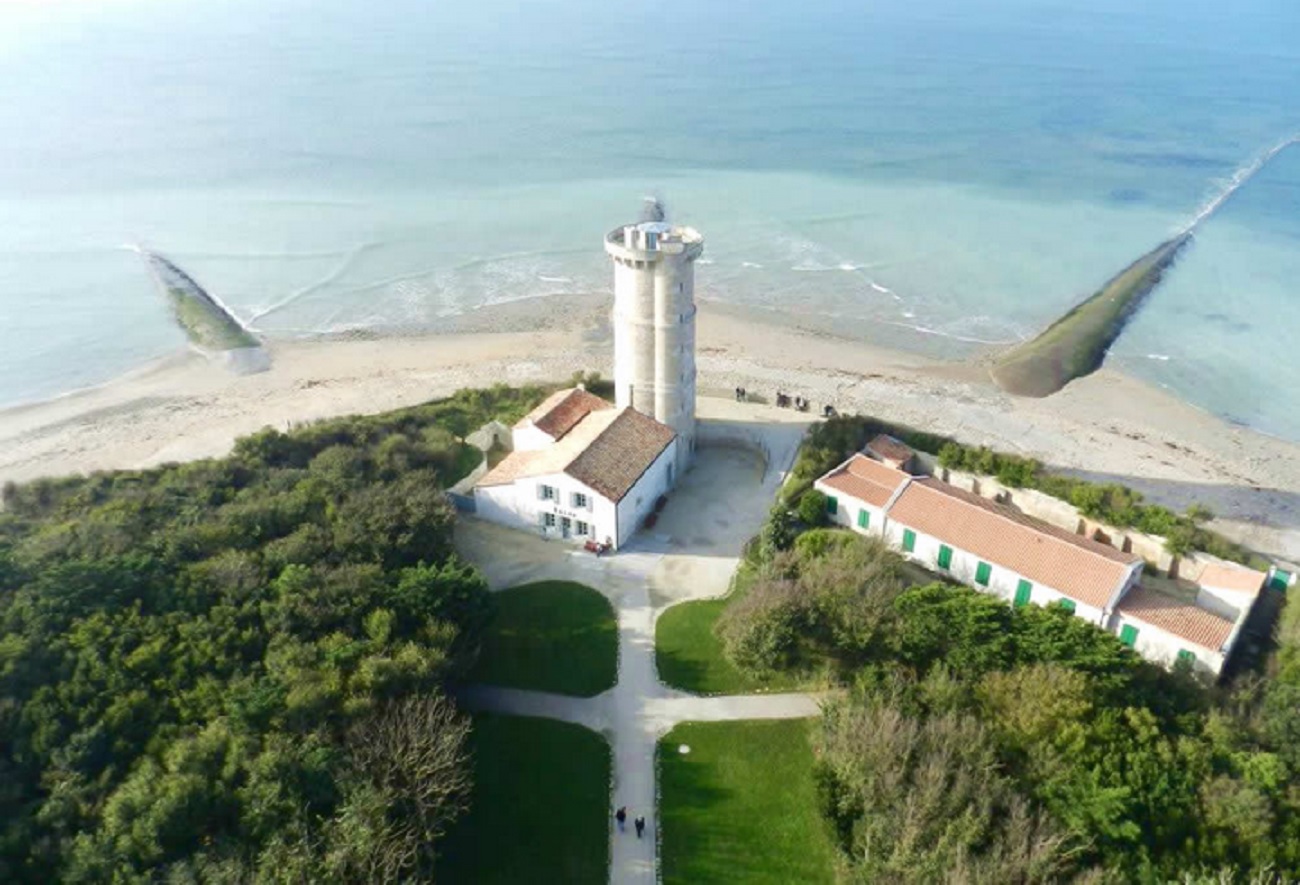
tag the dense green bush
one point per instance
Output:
(811, 509)
(233, 670)
(1018, 744)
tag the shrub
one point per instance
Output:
(811, 509)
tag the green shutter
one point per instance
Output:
(945, 556)
(1185, 656)
(1280, 580)
(1068, 605)
(909, 540)
(864, 518)
(1023, 591)
(832, 505)
(983, 572)
(1129, 635)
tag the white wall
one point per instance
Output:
(529, 439)
(640, 499)
(1156, 645)
(846, 513)
(519, 506)
(1002, 581)
(1231, 604)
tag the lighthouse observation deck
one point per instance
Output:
(652, 240)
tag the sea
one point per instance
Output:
(946, 175)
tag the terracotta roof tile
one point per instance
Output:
(561, 411)
(866, 480)
(608, 450)
(886, 447)
(1176, 616)
(615, 460)
(1231, 577)
(1085, 570)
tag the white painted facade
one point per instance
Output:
(640, 500)
(1163, 647)
(1003, 582)
(654, 324)
(558, 506)
(847, 510)
(529, 438)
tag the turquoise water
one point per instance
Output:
(947, 176)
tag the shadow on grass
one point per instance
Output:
(555, 636)
(539, 808)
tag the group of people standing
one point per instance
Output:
(620, 817)
(785, 401)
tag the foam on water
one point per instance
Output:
(872, 181)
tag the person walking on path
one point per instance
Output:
(640, 826)
(621, 817)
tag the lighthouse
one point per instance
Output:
(654, 323)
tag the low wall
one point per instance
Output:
(733, 434)
(1063, 515)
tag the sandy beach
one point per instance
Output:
(1105, 427)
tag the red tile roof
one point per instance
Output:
(607, 450)
(1231, 577)
(1082, 569)
(886, 447)
(617, 458)
(1176, 616)
(866, 480)
(561, 411)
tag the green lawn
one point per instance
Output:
(741, 806)
(540, 809)
(550, 636)
(689, 655)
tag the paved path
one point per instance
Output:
(634, 715)
(691, 555)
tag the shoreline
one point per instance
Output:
(1105, 427)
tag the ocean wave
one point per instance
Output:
(751, 264)
(333, 276)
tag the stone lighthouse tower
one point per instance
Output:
(654, 322)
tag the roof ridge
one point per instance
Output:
(996, 508)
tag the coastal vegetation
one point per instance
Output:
(207, 325)
(1016, 744)
(834, 440)
(741, 805)
(554, 636)
(237, 669)
(1076, 344)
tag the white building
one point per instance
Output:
(999, 550)
(581, 469)
(586, 469)
(654, 324)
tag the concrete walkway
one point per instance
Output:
(633, 716)
(692, 554)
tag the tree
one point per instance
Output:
(412, 770)
(811, 509)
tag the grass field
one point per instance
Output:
(741, 806)
(540, 808)
(689, 655)
(551, 636)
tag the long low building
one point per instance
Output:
(999, 550)
(581, 469)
